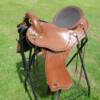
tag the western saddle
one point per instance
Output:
(56, 41)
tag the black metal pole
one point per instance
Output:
(77, 51)
(27, 68)
(85, 73)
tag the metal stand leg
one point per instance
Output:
(79, 52)
(28, 69)
(84, 70)
(58, 94)
(80, 48)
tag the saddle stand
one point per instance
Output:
(56, 41)
(81, 56)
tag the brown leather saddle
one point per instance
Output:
(56, 40)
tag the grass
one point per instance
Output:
(11, 13)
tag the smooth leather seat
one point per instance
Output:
(68, 17)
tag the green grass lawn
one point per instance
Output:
(11, 13)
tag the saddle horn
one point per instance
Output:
(33, 20)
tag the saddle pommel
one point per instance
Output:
(33, 20)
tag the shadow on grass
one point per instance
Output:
(39, 79)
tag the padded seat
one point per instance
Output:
(68, 17)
